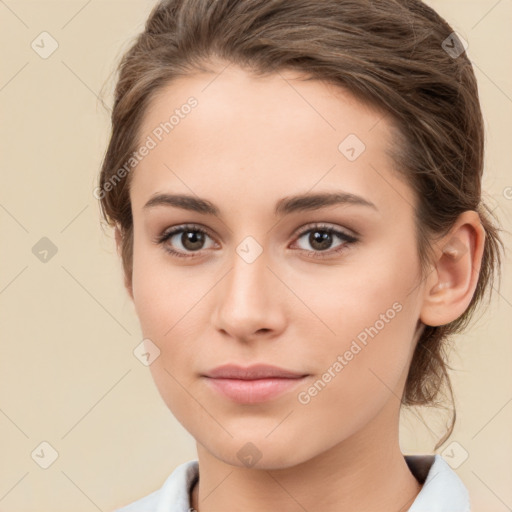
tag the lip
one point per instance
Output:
(254, 384)
(255, 371)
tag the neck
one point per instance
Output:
(366, 472)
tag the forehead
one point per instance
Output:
(261, 137)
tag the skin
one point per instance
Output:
(249, 143)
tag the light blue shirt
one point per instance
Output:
(442, 490)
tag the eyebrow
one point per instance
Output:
(286, 205)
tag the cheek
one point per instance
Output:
(359, 376)
(364, 300)
(371, 352)
(371, 313)
(168, 306)
(162, 295)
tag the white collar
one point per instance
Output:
(442, 490)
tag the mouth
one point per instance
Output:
(254, 384)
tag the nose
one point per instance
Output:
(250, 301)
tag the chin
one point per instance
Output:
(260, 453)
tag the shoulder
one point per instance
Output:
(442, 489)
(174, 494)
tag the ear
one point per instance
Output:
(119, 239)
(452, 283)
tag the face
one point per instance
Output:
(326, 288)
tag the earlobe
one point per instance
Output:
(451, 285)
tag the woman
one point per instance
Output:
(296, 194)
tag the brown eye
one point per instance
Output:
(192, 240)
(184, 239)
(321, 239)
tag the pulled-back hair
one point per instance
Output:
(398, 56)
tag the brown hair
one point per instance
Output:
(393, 54)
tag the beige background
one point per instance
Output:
(68, 329)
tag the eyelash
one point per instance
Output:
(348, 239)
